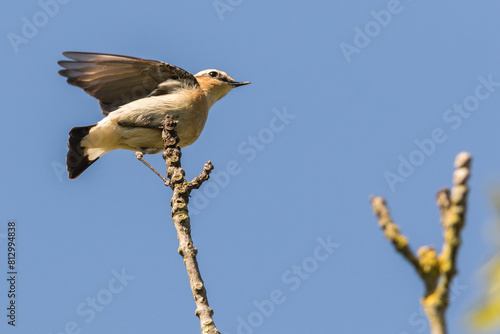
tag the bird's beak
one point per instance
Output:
(237, 84)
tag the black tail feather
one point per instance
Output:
(76, 160)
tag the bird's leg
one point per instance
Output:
(140, 156)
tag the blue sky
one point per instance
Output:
(347, 100)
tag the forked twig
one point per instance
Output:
(436, 271)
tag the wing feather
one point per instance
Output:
(117, 80)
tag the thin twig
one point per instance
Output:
(204, 175)
(436, 271)
(453, 220)
(180, 217)
(392, 233)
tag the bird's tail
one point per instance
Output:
(77, 159)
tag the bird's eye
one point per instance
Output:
(213, 74)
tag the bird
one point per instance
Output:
(135, 95)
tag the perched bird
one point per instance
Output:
(135, 95)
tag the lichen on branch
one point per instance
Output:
(435, 270)
(180, 216)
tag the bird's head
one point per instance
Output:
(217, 83)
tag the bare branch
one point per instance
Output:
(180, 217)
(436, 271)
(204, 175)
(392, 233)
(453, 220)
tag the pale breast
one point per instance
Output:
(140, 119)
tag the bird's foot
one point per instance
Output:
(140, 156)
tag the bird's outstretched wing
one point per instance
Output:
(117, 80)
